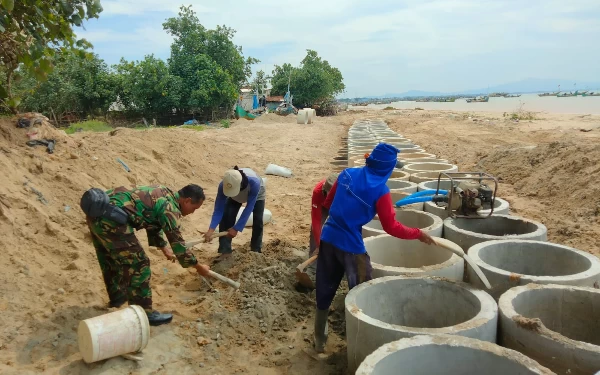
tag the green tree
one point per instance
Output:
(259, 82)
(147, 87)
(315, 82)
(211, 66)
(32, 31)
(77, 83)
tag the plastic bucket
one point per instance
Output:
(267, 217)
(110, 335)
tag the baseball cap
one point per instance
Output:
(232, 183)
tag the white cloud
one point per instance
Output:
(402, 41)
(139, 7)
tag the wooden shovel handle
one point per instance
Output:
(192, 243)
(302, 266)
(224, 279)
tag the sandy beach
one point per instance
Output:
(50, 279)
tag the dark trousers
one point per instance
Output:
(228, 221)
(124, 264)
(332, 263)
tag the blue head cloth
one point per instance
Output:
(382, 161)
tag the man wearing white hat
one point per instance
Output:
(238, 186)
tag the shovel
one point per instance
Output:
(470, 261)
(301, 276)
(193, 243)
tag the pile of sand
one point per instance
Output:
(50, 279)
(548, 169)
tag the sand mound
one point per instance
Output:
(50, 279)
(564, 177)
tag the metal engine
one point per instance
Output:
(474, 196)
(469, 194)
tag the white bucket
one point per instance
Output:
(110, 335)
(302, 117)
(267, 216)
(276, 170)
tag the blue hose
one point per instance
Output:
(408, 200)
(427, 192)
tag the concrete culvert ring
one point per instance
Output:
(391, 256)
(402, 185)
(399, 175)
(411, 151)
(415, 155)
(433, 184)
(428, 223)
(391, 308)
(509, 263)
(501, 207)
(556, 325)
(423, 160)
(448, 355)
(430, 167)
(420, 177)
(469, 232)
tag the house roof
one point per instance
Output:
(274, 98)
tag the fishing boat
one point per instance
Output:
(479, 99)
(512, 96)
(591, 93)
(566, 94)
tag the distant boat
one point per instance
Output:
(548, 94)
(567, 94)
(591, 93)
(479, 99)
(512, 96)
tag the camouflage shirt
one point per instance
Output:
(156, 209)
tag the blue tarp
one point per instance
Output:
(255, 102)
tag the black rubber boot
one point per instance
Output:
(155, 318)
(321, 326)
(116, 304)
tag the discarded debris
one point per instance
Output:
(124, 165)
(41, 197)
(49, 143)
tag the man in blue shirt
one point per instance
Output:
(238, 186)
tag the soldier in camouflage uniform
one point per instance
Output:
(124, 264)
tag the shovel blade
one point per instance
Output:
(304, 279)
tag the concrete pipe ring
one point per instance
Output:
(391, 256)
(399, 174)
(431, 176)
(415, 155)
(396, 307)
(469, 232)
(453, 355)
(430, 167)
(556, 325)
(302, 117)
(402, 185)
(510, 263)
(407, 151)
(423, 160)
(428, 223)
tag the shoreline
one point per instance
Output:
(525, 103)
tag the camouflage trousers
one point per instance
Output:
(124, 264)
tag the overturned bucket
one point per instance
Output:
(114, 334)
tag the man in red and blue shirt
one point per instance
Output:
(354, 200)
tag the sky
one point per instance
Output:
(381, 46)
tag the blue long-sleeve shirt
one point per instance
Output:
(253, 191)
